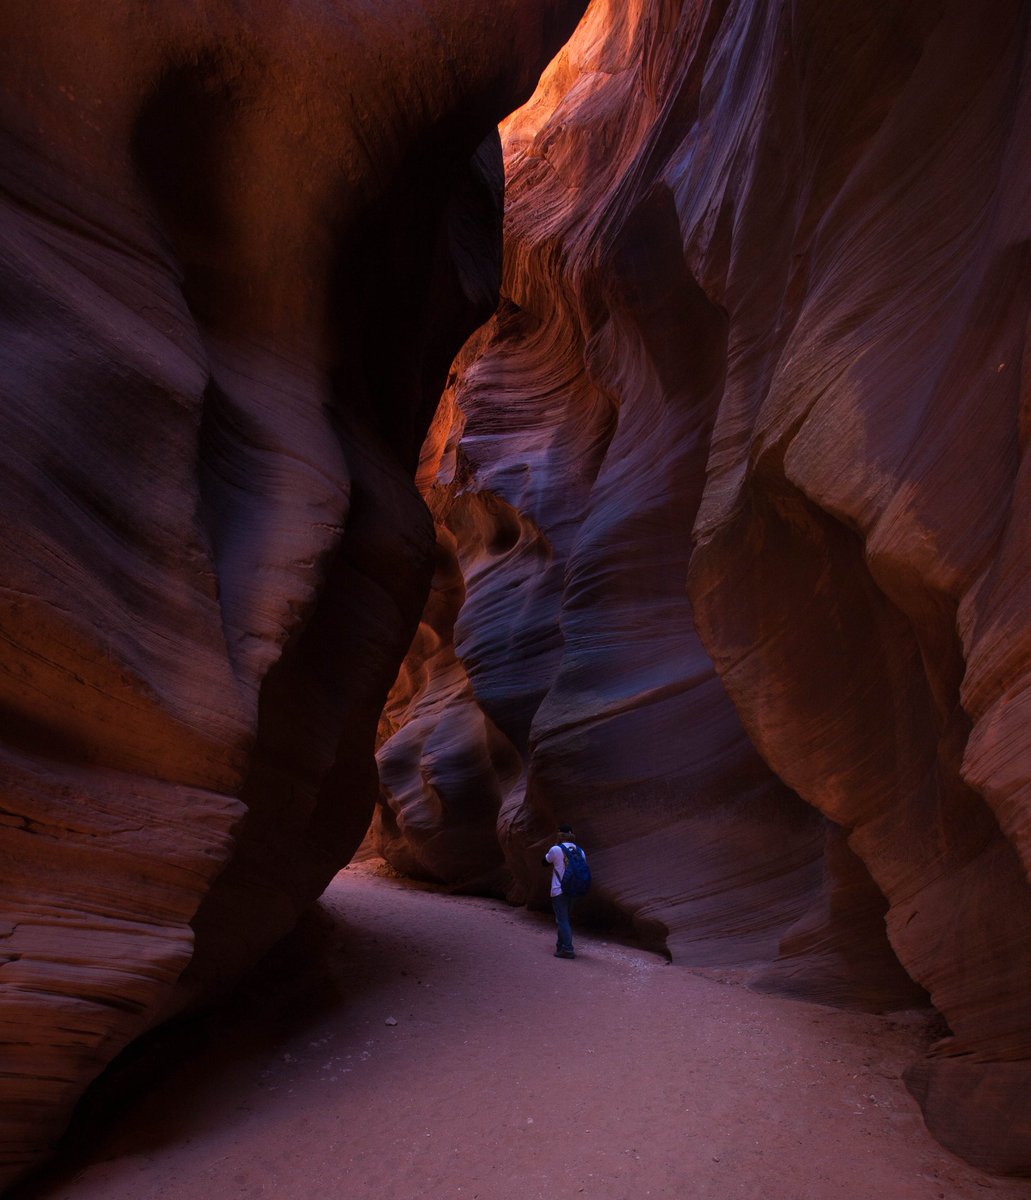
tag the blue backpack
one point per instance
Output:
(576, 878)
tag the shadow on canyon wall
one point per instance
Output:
(732, 520)
(730, 546)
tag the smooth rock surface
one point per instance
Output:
(240, 244)
(736, 488)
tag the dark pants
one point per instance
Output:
(562, 905)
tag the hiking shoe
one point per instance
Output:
(564, 954)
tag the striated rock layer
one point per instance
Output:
(239, 245)
(734, 520)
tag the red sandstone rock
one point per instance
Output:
(240, 244)
(764, 327)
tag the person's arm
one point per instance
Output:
(557, 861)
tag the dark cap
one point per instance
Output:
(565, 829)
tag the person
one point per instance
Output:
(560, 902)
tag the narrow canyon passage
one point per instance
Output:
(471, 417)
(408, 1044)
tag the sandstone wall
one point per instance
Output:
(239, 245)
(734, 522)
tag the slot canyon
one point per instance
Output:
(376, 480)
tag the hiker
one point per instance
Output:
(570, 877)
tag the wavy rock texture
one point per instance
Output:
(764, 330)
(240, 245)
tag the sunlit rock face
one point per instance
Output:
(734, 520)
(239, 246)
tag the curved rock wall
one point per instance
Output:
(239, 246)
(734, 532)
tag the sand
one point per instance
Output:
(406, 1043)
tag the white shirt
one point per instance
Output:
(558, 865)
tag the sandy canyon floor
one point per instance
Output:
(406, 1044)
